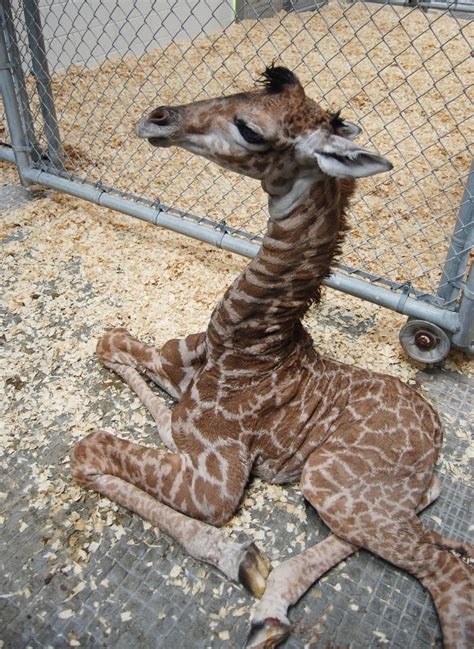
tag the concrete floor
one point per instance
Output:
(71, 576)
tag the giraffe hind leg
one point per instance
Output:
(289, 581)
(375, 513)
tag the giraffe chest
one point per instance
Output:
(278, 417)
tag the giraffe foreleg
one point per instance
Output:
(158, 410)
(170, 367)
(157, 485)
(288, 582)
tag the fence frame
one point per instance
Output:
(455, 320)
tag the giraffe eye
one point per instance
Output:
(249, 135)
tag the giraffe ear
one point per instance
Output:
(348, 130)
(340, 157)
(344, 128)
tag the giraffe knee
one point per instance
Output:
(87, 458)
(111, 344)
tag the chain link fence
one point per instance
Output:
(78, 76)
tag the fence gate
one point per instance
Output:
(76, 76)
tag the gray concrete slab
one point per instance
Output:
(13, 196)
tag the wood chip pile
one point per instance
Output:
(403, 74)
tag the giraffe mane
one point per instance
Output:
(347, 190)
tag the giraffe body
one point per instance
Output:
(256, 398)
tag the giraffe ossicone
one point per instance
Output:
(255, 397)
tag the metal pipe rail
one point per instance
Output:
(426, 4)
(460, 245)
(18, 77)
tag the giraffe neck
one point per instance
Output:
(260, 313)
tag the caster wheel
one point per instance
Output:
(424, 342)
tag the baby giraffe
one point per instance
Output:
(256, 398)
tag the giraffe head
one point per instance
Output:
(274, 133)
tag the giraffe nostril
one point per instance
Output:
(159, 126)
(159, 116)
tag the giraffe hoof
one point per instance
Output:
(254, 570)
(267, 634)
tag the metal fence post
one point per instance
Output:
(43, 81)
(460, 244)
(20, 143)
(464, 339)
(19, 80)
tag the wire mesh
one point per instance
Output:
(402, 72)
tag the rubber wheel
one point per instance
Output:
(424, 342)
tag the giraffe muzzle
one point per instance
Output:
(159, 126)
